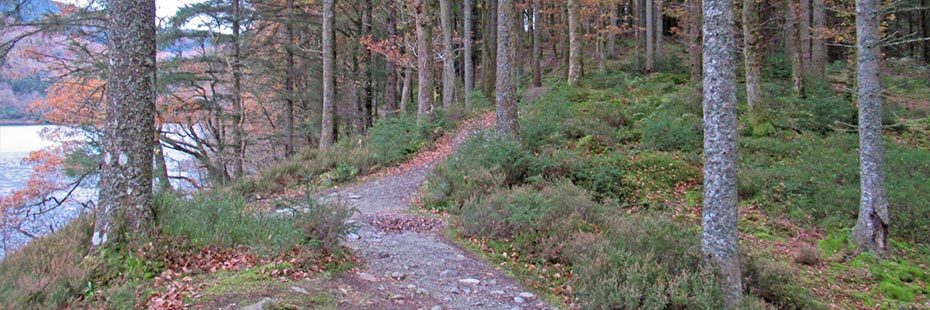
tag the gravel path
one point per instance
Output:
(405, 262)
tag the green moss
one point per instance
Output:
(834, 242)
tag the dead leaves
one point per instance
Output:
(393, 222)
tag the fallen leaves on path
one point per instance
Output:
(397, 222)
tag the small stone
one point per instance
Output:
(467, 291)
(411, 286)
(353, 236)
(437, 307)
(397, 276)
(258, 305)
(497, 292)
(298, 289)
(367, 277)
(421, 291)
(397, 296)
(471, 281)
(519, 300)
(445, 273)
(527, 295)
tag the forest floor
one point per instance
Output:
(403, 259)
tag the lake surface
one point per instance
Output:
(16, 142)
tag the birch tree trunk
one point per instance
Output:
(424, 61)
(752, 61)
(469, 61)
(574, 42)
(507, 123)
(871, 231)
(328, 131)
(406, 89)
(125, 213)
(537, 44)
(448, 55)
(719, 236)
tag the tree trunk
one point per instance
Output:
(650, 37)
(818, 47)
(406, 90)
(490, 48)
(871, 231)
(424, 61)
(925, 29)
(719, 237)
(238, 143)
(469, 61)
(804, 29)
(289, 84)
(448, 55)
(694, 39)
(660, 30)
(574, 42)
(390, 69)
(794, 48)
(367, 108)
(612, 33)
(328, 131)
(537, 44)
(517, 33)
(507, 123)
(125, 212)
(752, 60)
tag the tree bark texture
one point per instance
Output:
(507, 122)
(751, 49)
(694, 40)
(871, 231)
(574, 42)
(650, 37)
(537, 43)
(390, 69)
(328, 130)
(424, 61)
(719, 237)
(125, 212)
(818, 47)
(469, 60)
(804, 36)
(448, 55)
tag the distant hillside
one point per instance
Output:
(28, 10)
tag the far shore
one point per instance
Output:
(22, 122)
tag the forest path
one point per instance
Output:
(406, 263)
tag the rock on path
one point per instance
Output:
(418, 268)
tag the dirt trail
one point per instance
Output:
(405, 262)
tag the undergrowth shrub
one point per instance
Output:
(482, 163)
(48, 272)
(775, 283)
(668, 128)
(815, 180)
(643, 262)
(540, 219)
(820, 110)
